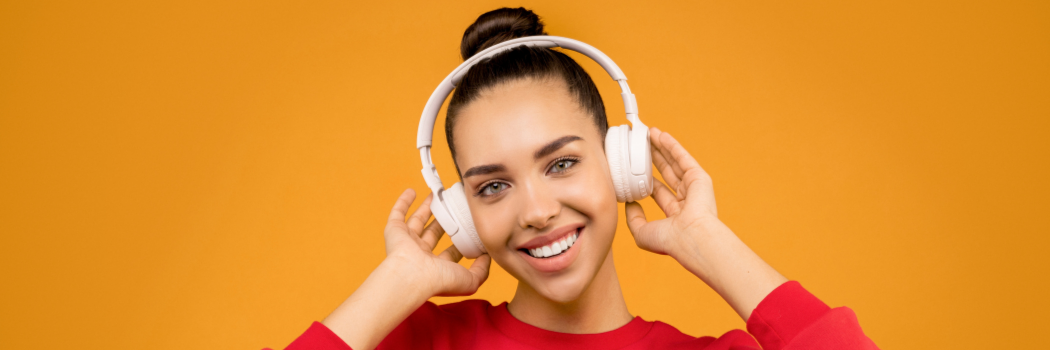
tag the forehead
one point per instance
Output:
(515, 118)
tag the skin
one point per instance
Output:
(531, 196)
(534, 200)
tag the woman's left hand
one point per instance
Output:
(688, 208)
(692, 233)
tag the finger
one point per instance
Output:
(479, 271)
(665, 168)
(679, 156)
(466, 281)
(635, 217)
(432, 233)
(693, 178)
(666, 199)
(401, 206)
(420, 217)
(451, 254)
(660, 144)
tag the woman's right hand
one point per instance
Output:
(410, 246)
(410, 274)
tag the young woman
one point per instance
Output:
(526, 129)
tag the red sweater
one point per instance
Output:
(788, 318)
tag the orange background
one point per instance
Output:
(216, 175)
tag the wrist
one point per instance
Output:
(712, 252)
(405, 276)
(695, 236)
(386, 298)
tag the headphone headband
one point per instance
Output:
(425, 134)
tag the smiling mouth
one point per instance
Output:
(555, 248)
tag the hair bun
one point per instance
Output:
(497, 26)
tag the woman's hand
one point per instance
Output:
(688, 208)
(692, 233)
(409, 275)
(409, 246)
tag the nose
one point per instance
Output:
(540, 206)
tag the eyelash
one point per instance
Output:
(484, 186)
(574, 160)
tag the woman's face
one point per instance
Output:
(537, 180)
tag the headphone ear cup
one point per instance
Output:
(617, 154)
(466, 240)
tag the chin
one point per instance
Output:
(564, 289)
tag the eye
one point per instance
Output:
(492, 189)
(561, 165)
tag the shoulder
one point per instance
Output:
(434, 326)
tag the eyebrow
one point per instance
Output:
(485, 169)
(555, 145)
(546, 150)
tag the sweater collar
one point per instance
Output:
(534, 336)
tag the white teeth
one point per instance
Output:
(554, 248)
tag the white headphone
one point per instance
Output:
(626, 147)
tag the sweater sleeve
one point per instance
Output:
(426, 328)
(791, 317)
(318, 337)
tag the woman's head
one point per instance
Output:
(527, 130)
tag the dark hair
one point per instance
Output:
(504, 24)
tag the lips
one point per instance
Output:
(554, 251)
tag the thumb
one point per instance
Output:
(646, 234)
(635, 217)
(479, 269)
(467, 281)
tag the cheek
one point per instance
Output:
(591, 193)
(494, 224)
(600, 185)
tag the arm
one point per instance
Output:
(692, 233)
(780, 315)
(408, 276)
